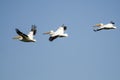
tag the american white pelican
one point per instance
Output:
(58, 33)
(105, 26)
(26, 38)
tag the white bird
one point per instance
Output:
(105, 26)
(60, 32)
(26, 38)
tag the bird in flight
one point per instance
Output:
(60, 32)
(26, 38)
(102, 26)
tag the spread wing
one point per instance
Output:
(21, 33)
(61, 30)
(33, 29)
(52, 38)
(32, 32)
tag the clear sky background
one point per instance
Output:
(84, 55)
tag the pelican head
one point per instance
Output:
(18, 37)
(50, 32)
(98, 25)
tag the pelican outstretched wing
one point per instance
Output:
(61, 29)
(21, 33)
(32, 32)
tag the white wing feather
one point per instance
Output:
(30, 35)
(60, 30)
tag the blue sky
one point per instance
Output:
(84, 55)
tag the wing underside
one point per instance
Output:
(21, 33)
(52, 38)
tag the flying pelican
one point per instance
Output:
(105, 26)
(58, 33)
(26, 38)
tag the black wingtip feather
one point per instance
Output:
(52, 38)
(34, 29)
(112, 22)
(20, 33)
(65, 27)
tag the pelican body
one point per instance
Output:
(102, 26)
(26, 38)
(60, 32)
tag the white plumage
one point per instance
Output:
(60, 32)
(26, 38)
(102, 26)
